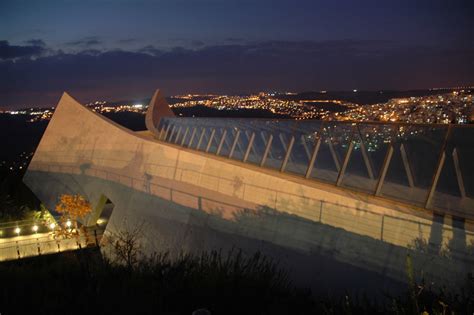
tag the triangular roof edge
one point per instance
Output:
(157, 109)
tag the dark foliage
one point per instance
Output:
(83, 282)
(16, 199)
(19, 136)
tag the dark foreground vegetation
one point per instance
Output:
(83, 282)
(17, 202)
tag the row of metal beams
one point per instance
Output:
(170, 133)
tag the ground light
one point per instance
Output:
(68, 223)
(52, 226)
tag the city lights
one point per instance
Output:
(441, 109)
(272, 102)
(451, 107)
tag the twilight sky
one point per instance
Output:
(124, 49)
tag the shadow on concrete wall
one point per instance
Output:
(222, 221)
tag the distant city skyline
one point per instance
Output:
(125, 49)
(433, 106)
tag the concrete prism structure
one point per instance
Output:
(334, 203)
(157, 109)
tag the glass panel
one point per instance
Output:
(215, 140)
(335, 138)
(197, 137)
(455, 188)
(279, 145)
(414, 162)
(204, 139)
(228, 141)
(371, 142)
(162, 124)
(260, 141)
(186, 136)
(163, 129)
(178, 135)
(462, 139)
(241, 146)
(171, 132)
(306, 135)
(255, 150)
(194, 137)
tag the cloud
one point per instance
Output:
(126, 41)
(234, 68)
(151, 50)
(8, 51)
(91, 52)
(36, 42)
(234, 39)
(197, 43)
(85, 42)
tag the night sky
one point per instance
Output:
(123, 49)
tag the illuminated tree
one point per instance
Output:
(71, 208)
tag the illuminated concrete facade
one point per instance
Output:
(193, 201)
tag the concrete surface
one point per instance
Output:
(191, 201)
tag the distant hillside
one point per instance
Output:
(18, 136)
(136, 121)
(146, 101)
(360, 97)
(204, 111)
(130, 120)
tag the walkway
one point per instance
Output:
(41, 241)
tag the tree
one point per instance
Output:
(126, 244)
(71, 208)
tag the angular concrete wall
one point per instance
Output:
(192, 201)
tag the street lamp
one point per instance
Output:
(35, 228)
(17, 230)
